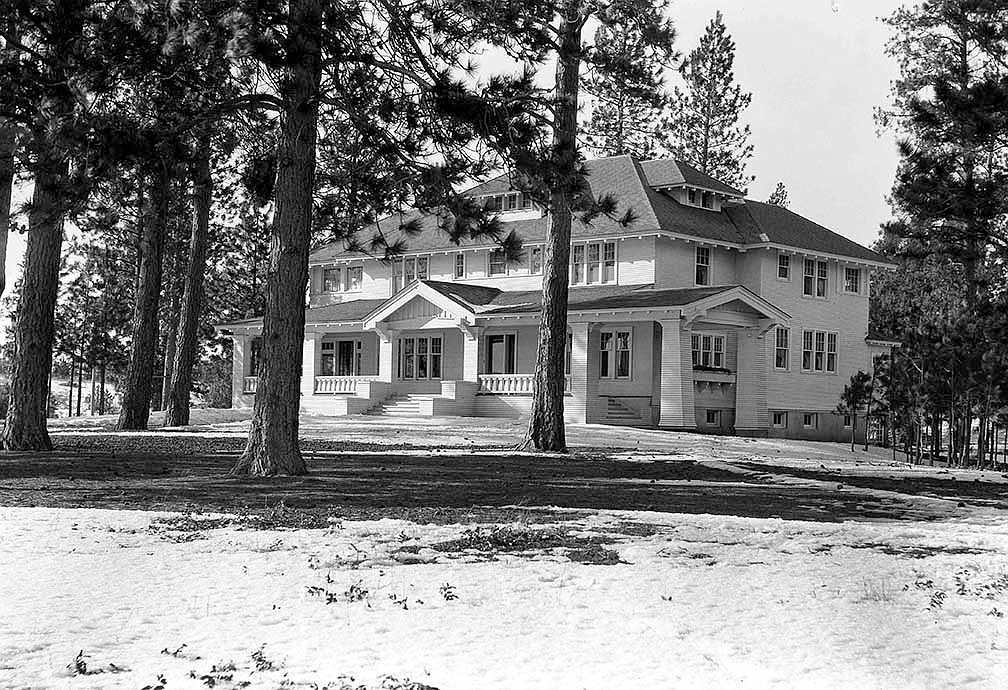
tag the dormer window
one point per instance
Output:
(508, 203)
(708, 200)
(691, 196)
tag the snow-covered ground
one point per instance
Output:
(700, 602)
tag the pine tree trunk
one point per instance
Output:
(80, 382)
(7, 145)
(31, 364)
(272, 447)
(177, 403)
(136, 403)
(70, 386)
(853, 429)
(101, 388)
(546, 430)
(174, 289)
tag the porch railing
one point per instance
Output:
(512, 384)
(339, 384)
(250, 384)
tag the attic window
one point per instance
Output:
(708, 200)
(691, 196)
(510, 202)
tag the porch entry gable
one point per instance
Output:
(417, 306)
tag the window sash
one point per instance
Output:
(708, 350)
(332, 279)
(784, 266)
(703, 266)
(497, 263)
(506, 346)
(354, 278)
(808, 275)
(593, 263)
(852, 280)
(779, 420)
(420, 358)
(536, 260)
(819, 351)
(782, 348)
(616, 354)
(460, 265)
(822, 279)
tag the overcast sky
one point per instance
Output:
(816, 70)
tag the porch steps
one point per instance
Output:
(399, 406)
(621, 415)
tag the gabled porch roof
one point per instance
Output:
(472, 303)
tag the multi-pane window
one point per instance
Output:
(819, 351)
(501, 353)
(332, 279)
(512, 201)
(497, 263)
(708, 200)
(420, 357)
(408, 270)
(810, 420)
(703, 265)
(536, 260)
(816, 278)
(340, 358)
(615, 353)
(779, 420)
(782, 342)
(708, 350)
(459, 270)
(713, 418)
(852, 280)
(784, 266)
(593, 263)
(691, 195)
(346, 279)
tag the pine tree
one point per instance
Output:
(704, 125)
(855, 397)
(627, 111)
(779, 196)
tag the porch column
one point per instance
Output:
(677, 411)
(386, 363)
(580, 406)
(240, 350)
(470, 354)
(309, 361)
(751, 415)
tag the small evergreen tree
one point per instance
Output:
(704, 127)
(854, 397)
(779, 196)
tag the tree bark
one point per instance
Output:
(272, 447)
(174, 290)
(177, 404)
(546, 429)
(70, 385)
(136, 404)
(34, 325)
(8, 147)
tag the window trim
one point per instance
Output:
(455, 266)
(820, 272)
(398, 271)
(612, 353)
(487, 357)
(490, 262)
(859, 272)
(697, 265)
(717, 418)
(356, 360)
(787, 268)
(584, 248)
(786, 348)
(343, 271)
(815, 420)
(533, 250)
(401, 358)
(781, 425)
(826, 338)
(714, 336)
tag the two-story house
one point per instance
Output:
(709, 312)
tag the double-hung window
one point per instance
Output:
(708, 350)
(782, 350)
(819, 351)
(420, 357)
(332, 279)
(497, 263)
(408, 270)
(703, 265)
(778, 420)
(593, 263)
(852, 280)
(815, 276)
(459, 269)
(784, 266)
(615, 354)
(536, 260)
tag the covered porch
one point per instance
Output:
(638, 357)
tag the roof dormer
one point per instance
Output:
(698, 197)
(510, 205)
